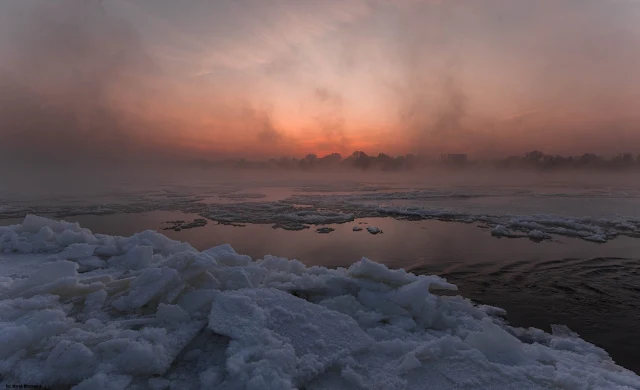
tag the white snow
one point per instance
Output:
(154, 313)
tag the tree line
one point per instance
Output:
(361, 160)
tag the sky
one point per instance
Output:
(90, 79)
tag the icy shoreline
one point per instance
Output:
(97, 311)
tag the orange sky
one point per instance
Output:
(290, 77)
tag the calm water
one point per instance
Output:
(592, 288)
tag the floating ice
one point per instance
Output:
(281, 215)
(182, 225)
(155, 313)
(373, 230)
(243, 195)
(501, 231)
(538, 235)
(301, 211)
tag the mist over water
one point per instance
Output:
(66, 70)
(495, 143)
(101, 81)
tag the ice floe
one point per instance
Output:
(243, 195)
(299, 212)
(91, 311)
(373, 230)
(182, 225)
(303, 211)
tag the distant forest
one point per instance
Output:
(361, 160)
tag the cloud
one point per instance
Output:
(90, 79)
(521, 115)
(244, 33)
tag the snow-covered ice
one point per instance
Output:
(91, 311)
